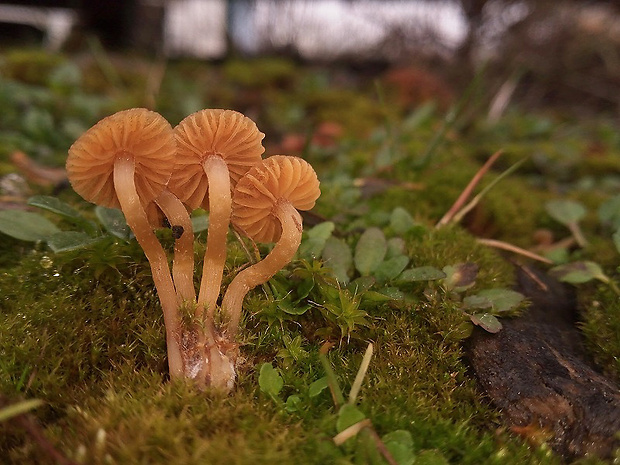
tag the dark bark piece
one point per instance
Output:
(536, 372)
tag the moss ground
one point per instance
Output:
(83, 330)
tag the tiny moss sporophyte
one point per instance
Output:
(134, 160)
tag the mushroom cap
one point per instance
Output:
(276, 179)
(225, 133)
(138, 132)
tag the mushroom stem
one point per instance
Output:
(261, 272)
(124, 170)
(183, 263)
(219, 218)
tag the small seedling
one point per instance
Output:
(462, 277)
(583, 272)
(395, 447)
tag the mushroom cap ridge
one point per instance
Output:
(138, 132)
(226, 133)
(276, 179)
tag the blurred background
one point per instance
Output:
(559, 52)
(387, 79)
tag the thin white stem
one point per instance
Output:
(261, 272)
(219, 218)
(183, 262)
(124, 170)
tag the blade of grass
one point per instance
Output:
(332, 380)
(470, 206)
(19, 413)
(14, 410)
(504, 95)
(460, 201)
(361, 373)
(351, 431)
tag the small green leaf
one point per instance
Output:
(54, 205)
(421, 273)
(293, 403)
(337, 256)
(65, 241)
(57, 206)
(400, 445)
(26, 226)
(558, 255)
(393, 293)
(401, 220)
(269, 380)
(609, 212)
(114, 222)
(304, 288)
(19, 408)
(579, 272)
(293, 308)
(396, 246)
(476, 301)
(360, 285)
(487, 322)
(348, 415)
(566, 212)
(332, 379)
(501, 299)
(294, 347)
(316, 238)
(377, 297)
(389, 269)
(370, 251)
(317, 386)
(461, 276)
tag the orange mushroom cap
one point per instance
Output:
(225, 133)
(276, 179)
(143, 134)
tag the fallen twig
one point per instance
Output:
(513, 248)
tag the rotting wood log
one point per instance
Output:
(536, 371)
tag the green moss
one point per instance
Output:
(452, 245)
(601, 326)
(84, 332)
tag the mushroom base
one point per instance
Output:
(211, 364)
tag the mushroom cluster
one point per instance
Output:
(134, 160)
